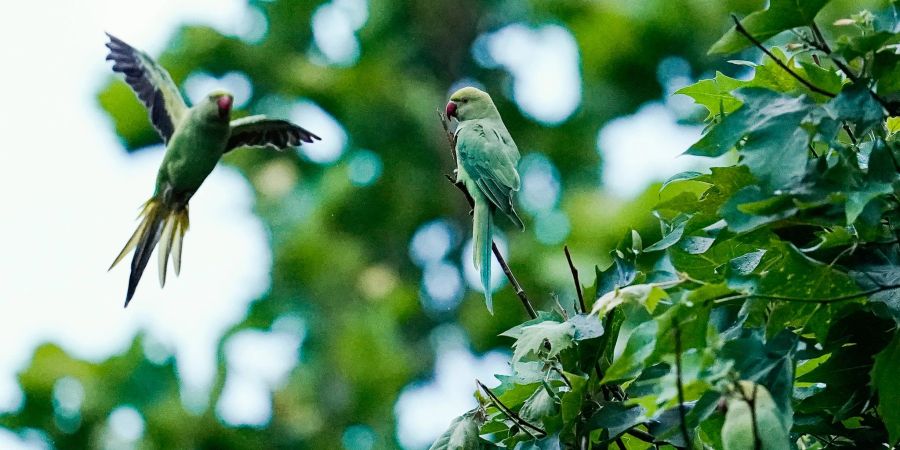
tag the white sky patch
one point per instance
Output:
(200, 84)
(544, 63)
(334, 139)
(443, 287)
(78, 194)
(425, 410)
(334, 26)
(125, 427)
(29, 441)
(644, 147)
(258, 363)
(473, 278)
(540, 183)
(432, 242)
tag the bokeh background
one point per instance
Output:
(327, 298)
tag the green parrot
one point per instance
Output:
(486, 164)
(196, 138)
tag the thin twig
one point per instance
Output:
(510, 413)
(839, 298)
(822, 45)
(740, 29)
(451, 138)
(575, 278)
(682, 415)
(564, 377)
(642, 435)
(529, 308)
(850, 134)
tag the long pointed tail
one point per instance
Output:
(482, 241)
(160, 224)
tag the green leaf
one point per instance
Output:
(644, 294)
(770, 75)
(640, 344)
(573, 399)
(751, 208)
(893, 125)
(637, 244)
(886, 303)
(746, 263)
(853, 340)
(826, 79)
(715, 95)
(780, 16)
(686, 176)
(528, 372)
(616, 417)
(619, 274)
(710, 265)
(587, 326)
(776, 145)
(538, 407)
(670, 239)
(770, 363)
(559, 336)
(886, 70)
(858, 200)
(831, 238)
(547, 443)
(850, 47)
(461, 435)
(512, 394)
(884, 380)
(764, 422)
(856, 105)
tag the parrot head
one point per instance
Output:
(217, 106)
(470, 103)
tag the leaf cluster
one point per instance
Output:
(766, 316)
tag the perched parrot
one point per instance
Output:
(486, 164)
(195, 137)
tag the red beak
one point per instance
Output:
(451, 109)
(224, 103)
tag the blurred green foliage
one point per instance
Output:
(340, 251)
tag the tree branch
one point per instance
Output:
(682, 415)
(825, 300)
(577, 282)
(740, 29)
(642, 435)
(510, 413)
(822, 45)
(529, 308)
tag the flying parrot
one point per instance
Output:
(486, 164)
(196, 137)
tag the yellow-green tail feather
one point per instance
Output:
(159, 224)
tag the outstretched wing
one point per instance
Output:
(260, 131)
(490, 158)
(152, 84)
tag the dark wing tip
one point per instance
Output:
(306, 135)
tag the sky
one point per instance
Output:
(71, 195)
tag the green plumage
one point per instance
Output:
(487, 159)
(196, 138)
